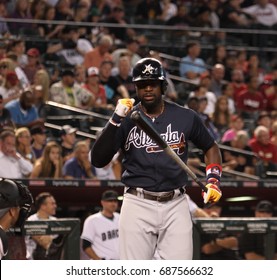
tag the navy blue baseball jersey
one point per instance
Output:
(145, 164)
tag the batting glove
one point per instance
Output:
(122, 108)
(213, 193)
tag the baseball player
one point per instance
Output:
(100, 238)
(155, 213)
(15, 205)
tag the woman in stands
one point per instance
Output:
(50, 164)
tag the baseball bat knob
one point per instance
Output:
(135, 116)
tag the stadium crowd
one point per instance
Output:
(88, 66)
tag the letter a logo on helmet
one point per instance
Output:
(148, 69)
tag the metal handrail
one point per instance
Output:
(78, 110)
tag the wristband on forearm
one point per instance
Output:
(213, 173)
(115, 120)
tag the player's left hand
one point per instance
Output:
(213, 194)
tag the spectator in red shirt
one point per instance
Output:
(266, 150)
(250, 102)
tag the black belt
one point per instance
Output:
(159, 197)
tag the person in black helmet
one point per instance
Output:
(155, 213)
(15, 205)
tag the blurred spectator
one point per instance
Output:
(68, 92)
(23, 80)
(169, 10)
(22, 12)
(273, 138)
(252, 246)
(192, 66)
(33, 64)
(41, 91)
(201, 18)
(38, 134)
(181, 19)
(238, 161)
(100, 7)
(132, 48)
(124, 75)
(99, 100)
(217, 79)
(6, 66)
(250, 102)
(237, 81)
(23, 144)
(68, 139)
(236, 124)
(228, 91)
(49, 30)
(231, 62)
(269, 91)
(112, 171)
(63, 10)
(201, 91)
(222, 246)
(199, 104)
(80, 74)
(100, 239)
(218, 56)
(265, 18)
(37, 9)
(79, 166)
(13, 165)
(121, 32)
(37, 245)
(264, 119)
(23, 110)
(221, 116)
(5, 117)
(261, 145)
(4, 29)
(49, 165)
(68, 49)
(147, 10)
(100, 53)
(114, 89)
(253, 68)
(232, 16)
(17, 46)
(10, 88)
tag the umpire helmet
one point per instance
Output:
(14, 194)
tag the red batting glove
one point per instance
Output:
(213, 193)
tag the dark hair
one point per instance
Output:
(40, 199)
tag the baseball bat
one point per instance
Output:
(143, 124)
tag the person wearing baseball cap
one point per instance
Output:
(252, 245)
(97, 90)
(68, 139)
(100, 236)
(33, 64)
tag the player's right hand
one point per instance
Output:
(213, 193)
(124, 106)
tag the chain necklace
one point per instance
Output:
(153, 117)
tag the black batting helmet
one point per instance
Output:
(14, 194)
(148, 69)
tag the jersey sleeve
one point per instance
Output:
(200, 135)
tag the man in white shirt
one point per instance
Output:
(13, 165)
